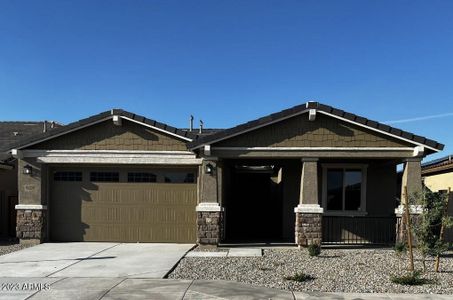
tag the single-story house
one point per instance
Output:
(308, 174)
(437, 175)
(11, 133)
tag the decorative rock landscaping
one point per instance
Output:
(335, 270)
(11, 246)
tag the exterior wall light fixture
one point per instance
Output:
(209, 169)
(27, 170)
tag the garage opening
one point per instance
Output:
(133, 204)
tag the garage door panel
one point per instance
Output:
(128, 212)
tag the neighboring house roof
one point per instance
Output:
(438, 165)
(15, 132)
(328, 110)
(186, 135)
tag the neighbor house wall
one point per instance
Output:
(439, 182)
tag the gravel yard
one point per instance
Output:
(10, 246)
(335, 270)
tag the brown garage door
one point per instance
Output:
(123, 205)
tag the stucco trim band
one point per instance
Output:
(309, 209)
(208, 206)
(30, 207)
(413, 209)
(113, 157)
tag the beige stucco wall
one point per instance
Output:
(107, 136)
(439, 181)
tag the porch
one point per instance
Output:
(263, 201)
(310, 174)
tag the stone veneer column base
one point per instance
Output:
(308, 224)
(31, 225)
(209, 224)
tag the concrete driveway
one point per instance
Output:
(87, 260)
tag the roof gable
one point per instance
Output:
(129, 136)
(390, 132)
(300, 132)
(165, 129)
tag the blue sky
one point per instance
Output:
(228, 61)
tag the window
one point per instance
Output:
(67, 176)
(105, 176)
(344, 188)
(179, 177)
(141, 177)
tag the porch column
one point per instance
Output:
(31, 218)
(309, 212)
(412, 179)
(209, 211)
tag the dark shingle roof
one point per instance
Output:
(438, 165)
(321, 107)
(15, 132)
(84, 122)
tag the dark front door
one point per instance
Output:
(254, 208)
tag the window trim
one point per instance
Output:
(362, 211)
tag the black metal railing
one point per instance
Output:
(352, 230)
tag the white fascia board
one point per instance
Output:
(378, 130)
(157, 129)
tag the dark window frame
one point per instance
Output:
(105, 176)
(345, 168)
(141, 177)
(68, 176)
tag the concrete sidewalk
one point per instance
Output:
(130, 288)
